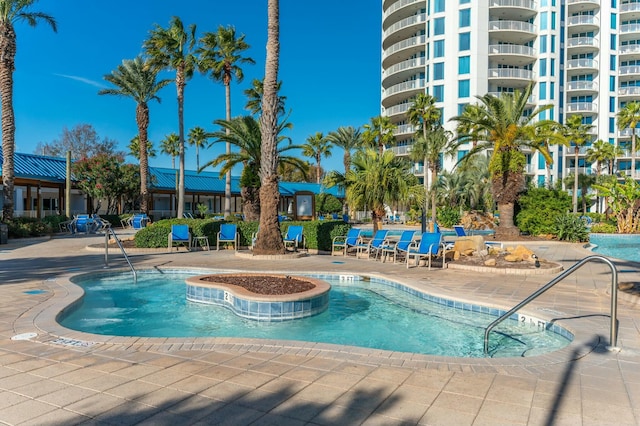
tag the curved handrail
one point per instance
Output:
(614, 299)
(108, 231)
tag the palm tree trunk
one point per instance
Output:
(507, 228)
(142, 119)
(227, 176)
(425, 182)
(575, 182)
(180, 84)
(269, 239)
(434, 212)
(7, 64)
(633, 153)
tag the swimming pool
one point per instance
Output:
(363, 311)
(619, 246)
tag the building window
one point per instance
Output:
(543, 91)
(614, 43)
(612, 62)
(438, 26)
(461, 108)
(461, 154)
(543, 44)
(543, 67)
(553, 67)
(614, 21)
(553, 44)
(463, 88)
(464, 41)
(465, 18)
(438, 49)
(465, 1)
(612, 104)
(553, 20)
(438, 93)
(543, 21)
(464, 65)
(438, 71)
(612, 125)
(438, 6)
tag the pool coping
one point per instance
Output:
(64, 293)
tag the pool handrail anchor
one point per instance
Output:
(110, 231)
(613, 339)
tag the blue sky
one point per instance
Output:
(329, 66)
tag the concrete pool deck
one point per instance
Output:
(63, 377)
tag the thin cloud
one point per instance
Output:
(83, 80)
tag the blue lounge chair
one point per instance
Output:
(294, 237)
(179, 235)
(228, 234)
(342, 243)
(406, 238)
(373, 246)
(80, 223)
(139, 220)
(431, 245)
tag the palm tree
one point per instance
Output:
(269, 239)
(197, 137)
(603, 154)
(172, 49)
(244, 133)
(221, 55)
(577, 133)
(424, 115)
(12, 11)
(376, 180)
(317, 146)
(473, 114)
(136, 80)
(379, 133)
(629, 116)
(348, 138)
(503, 129)
(543, 137)
(134, 148)
(254, 98)
(171, 145)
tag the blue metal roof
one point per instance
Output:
(53, 169)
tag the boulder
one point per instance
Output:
(523, 253)
(512, 258)
(490, 262)
(473, 243)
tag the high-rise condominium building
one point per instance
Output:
(582, 55)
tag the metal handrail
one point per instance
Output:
(614, 299)
(108, 231)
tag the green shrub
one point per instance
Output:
(24, 227)
(539, 209)
(448, 216)
(603, 228)
(327, 203)
(54, 221)
(570, 227)
(156, 234)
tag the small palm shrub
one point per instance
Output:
(603, 228)
(571, 228)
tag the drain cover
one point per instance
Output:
(24, 336)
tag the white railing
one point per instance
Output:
(583, 20)
(629, 49)
(511, 49)
(402, 87)
(401, 150)
(629, 7)
(403, 129)
(630, 69)
(629, 91)
(512, 26)
(399, 5)
(582, 63)
(582, 85)
(397, 109)
(581, 42)
(629, 28)
(583, 1)
(581, 107)
(406, 22)
(405, 65)
(404, 44)
(510, 73)
(524, 4)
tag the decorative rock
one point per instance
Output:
(490, 262)
(523, 253)
(473, 243)
(512, 258)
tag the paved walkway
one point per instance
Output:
(62, 377)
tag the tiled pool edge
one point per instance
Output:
(42, 317)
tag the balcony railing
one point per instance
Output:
(401, 150)
(405, 65)
(630, 69)
(583, 1)
(399, 5)
(404, 129)
(396, 109)
(583, 20)
(512, 26)
(629, 91)
(581, 107)
(582, 63)
(628, 49)
(511, 73)
(406, 22)
(407, 85)
(413, 41)
(629, 28)
(582, 85)
(629, 7)
(581, 42)
(511, 49)
(524, 4)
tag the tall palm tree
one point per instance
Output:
(134, 148)
(544, 136)
(577, 133)
(171, 145)
(504, 129)
(629, 116)
(269, 239)
(172, 49)
(197, 137)
(473, 112)
(603, 154)
(317, 146)
(220, 56)
(12, 11)
(244, 133)
(348, 138)
(136, 80)
(376, 180)
(254, 98)
(424, 115)
(379, 133)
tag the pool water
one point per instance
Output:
(361, 313)
(619, 246)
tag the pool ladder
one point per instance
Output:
(110, 231)
(614, 299)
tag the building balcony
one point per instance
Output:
(518, 32)
(403, 71)
(401, 150)
(512, 54)
(629, 11)
(510, 76)
(581, 66)
(581, 107)
(581, 171)
(626, 133)
(403, 50)
(406, 7)
(629, 52)
(409, 25)
(583, 23)
(579, 45)
(399, 92)
(531, 100)
(629, 29)
(630, 70)
(582, 5)
(577, 88)
(404, 129)
(400, 109)
(628, 92)
(513, 9)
